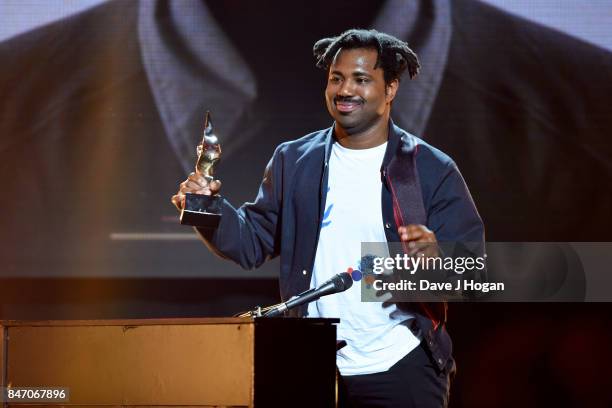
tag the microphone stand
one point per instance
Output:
(272, 310)
(276, 309)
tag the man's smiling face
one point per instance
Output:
(356, 93)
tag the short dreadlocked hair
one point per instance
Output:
(394, 55)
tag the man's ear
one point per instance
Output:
(391, 90)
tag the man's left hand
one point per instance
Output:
(420, 239)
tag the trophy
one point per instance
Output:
(204, 210)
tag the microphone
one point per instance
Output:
(338, 283)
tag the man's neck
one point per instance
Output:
(373, 136)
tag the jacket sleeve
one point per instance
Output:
(452, 214)
(250, 234)
(457, 225)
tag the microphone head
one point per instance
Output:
(342, 282)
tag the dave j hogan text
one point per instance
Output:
(426, 285)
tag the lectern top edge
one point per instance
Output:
(160, 322)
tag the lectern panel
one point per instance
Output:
(136, 365)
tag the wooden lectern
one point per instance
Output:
(209, 362)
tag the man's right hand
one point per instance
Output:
(197, 184)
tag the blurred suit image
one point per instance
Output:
(101, 113)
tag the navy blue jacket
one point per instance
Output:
(285, 217)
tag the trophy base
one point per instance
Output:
(201, 211)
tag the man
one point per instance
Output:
(325, 193)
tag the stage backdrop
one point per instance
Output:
(101, 112)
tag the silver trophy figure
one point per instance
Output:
(204, 210)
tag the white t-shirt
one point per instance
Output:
(353, 214)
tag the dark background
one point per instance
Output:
(526, 112)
